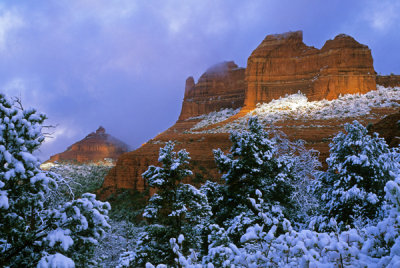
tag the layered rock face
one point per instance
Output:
(283, 64)
(96, 147)
(388, 80)
(221, 86)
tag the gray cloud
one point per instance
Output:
(122, 63)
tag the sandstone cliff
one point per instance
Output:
(95, 147)
(127, 174)
(221, 86)
(283, 64)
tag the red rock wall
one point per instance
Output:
(221, 86)
(127, 174)
(388, 80)
(282, 64)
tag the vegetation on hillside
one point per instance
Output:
(274, 207)
(260, 218)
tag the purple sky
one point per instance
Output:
(123, 64)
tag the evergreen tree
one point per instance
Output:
(31, 232)
(215, 194)
(175, 209)
(352, 188)
(253, 163)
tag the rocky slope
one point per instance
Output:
(281, 65)
(96, 147)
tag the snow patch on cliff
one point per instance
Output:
(297, 107)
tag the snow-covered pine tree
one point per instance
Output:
(253, 163)
(215, 193)
(31, 232)
(175, 209)
(352, 188)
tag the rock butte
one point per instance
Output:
(282, 64)
(94, 148)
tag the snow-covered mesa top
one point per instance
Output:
(297, 107)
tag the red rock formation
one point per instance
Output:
(221, 86)
(95, 147)
(127, 174)
(388, 80)
(389, 129)
(283, 64)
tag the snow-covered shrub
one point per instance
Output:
(56, 260)
(80, 179)
(78, 226)
(297, 107)
(127, 205)
(175, 209)
(352, 188)
(213, 117)
(383, 239)
(304, 248)
(180, 259)
(73, 181)
(376, 245)
(30, 230)
(304, 165)
(218, 247)
(119, 240)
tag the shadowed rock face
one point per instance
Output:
(95, 147)
(389, 129)
(283, 64)
(221, 86)
(127, 174)
(388, 80)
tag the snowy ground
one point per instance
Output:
(297, 107)
(213, 117)
(119, 239)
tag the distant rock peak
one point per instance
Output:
(96, 147)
